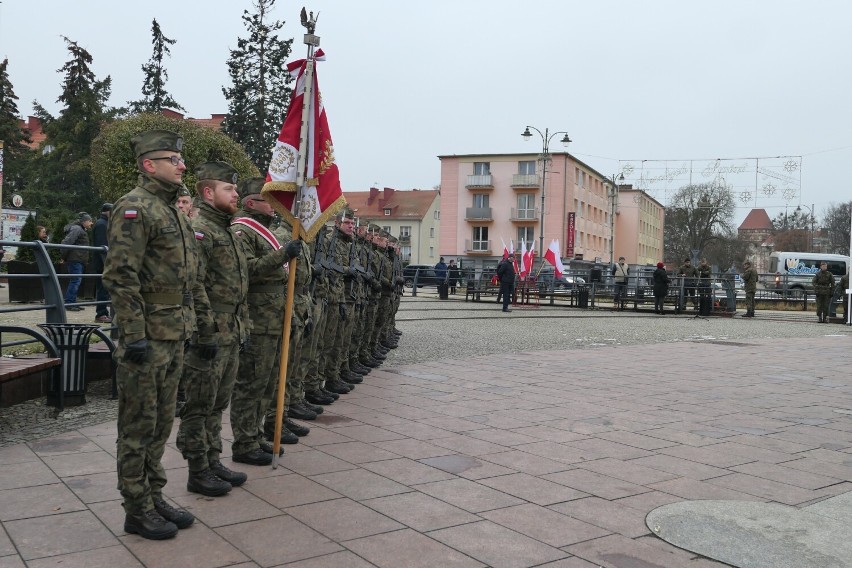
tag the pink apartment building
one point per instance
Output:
(488, 199)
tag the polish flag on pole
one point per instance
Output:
(505, 249)
(552, 256)
(512, 255)
(528, 259)
(523, 249)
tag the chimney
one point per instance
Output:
(388, 194)
(374, 192)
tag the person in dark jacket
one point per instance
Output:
(441, 276)
(75, 259)
(454, 275)
(506, 274)
(99, 239)
(661, 287)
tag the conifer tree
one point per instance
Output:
(155, 97)
(14, 138)
(260, 92)
(61, 181)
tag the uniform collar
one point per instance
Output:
(162, 189)
(209, 212)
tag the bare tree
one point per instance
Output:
(837, 223)
(697, 216)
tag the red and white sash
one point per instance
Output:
(267, 235)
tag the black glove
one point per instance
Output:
(245, 345)
(309, 327)
(293, 249)
(207, 351)
(137, 351)
(342, 308)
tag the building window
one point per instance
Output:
(526, 206)
(431, 232)
(480, 200)
(526, 235)
(387, 212)
(387, 229)
(405, 231)
(526, 168)
(480, 238)
(437, 214)
(431, 252)
(405, 252)
(482, 168)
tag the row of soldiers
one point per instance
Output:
(203, 303)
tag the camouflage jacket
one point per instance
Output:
(824, 282)
(267, 277)
(704, 272)
(749, 277)
(340, 257)
(220, 307)
(150, 269)
(302, 303)
(387, 273)
(688, 272)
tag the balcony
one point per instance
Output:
(524, 215)
(526, 181)
(480, 182)
(405, 239)
(477, 247)
(478, 214)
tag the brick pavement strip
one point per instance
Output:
(432, 485)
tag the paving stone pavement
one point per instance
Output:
(536, 458)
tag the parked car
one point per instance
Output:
(425, 274)
(566, 282)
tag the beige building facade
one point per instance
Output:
(639, 224)
(489, 199)
(413, 216)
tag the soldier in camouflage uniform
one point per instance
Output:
(150, 276)
(824, 287)
(258, 366)
(184, 205)
(689, 273)
(222, 320)
(351, 298)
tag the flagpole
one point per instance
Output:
(311, 41)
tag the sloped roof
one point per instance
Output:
(756, 220)
(409, 204)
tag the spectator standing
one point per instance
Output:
(506, 275)
(42, 233)
(75, 259)
(441, 276)
(454, 275)
(705, 275)
(661, 287)
(824, 287)
(749, 278)
(184, 202)
(620, 272)
(99, 239)
(689, 273)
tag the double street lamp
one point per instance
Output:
(613, 196)
(546, 137)
(811, 210)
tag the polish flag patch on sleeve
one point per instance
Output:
(131, 214)
(199, 235)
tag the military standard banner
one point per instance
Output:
(320, 197)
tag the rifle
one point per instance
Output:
(328, 259)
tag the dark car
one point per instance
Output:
(566, 282)
(424, 273)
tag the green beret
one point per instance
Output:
(218, 171)
(373, 228)
(155, 140)
(392, 239)
(251, 186)
(183, 191)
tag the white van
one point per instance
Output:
(795, 270)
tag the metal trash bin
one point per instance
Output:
(583, 297)
(72, 342)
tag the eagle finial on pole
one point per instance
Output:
(308, 20)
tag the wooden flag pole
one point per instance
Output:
(311, 41)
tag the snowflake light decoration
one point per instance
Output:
(789, 193)
(745, 196)
(791, 165)
(769, 189)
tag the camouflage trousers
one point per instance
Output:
(146, 413)
(749, 301)
(258, 372)
(306, 366)
(359, 328)
(823, 304)
(344, 337)
(327, 355)
(366, 345)
(209, 385)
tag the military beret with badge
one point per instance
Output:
(251, 186)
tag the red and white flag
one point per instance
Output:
(505, 249)
(523, 251)
(321, 195)
(552, 256)
(528, 258)
(512, 255)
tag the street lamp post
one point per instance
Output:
(813, 220)
(613, 196)
(546, 137)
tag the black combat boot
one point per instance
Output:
(317, 397)
(235, 478)
(333, 395)
(301, 413)
(150, 525)
(254, 457)
(268, 447)
(295, 428)
(337, 387)
(206, 483)
(312, 407)
(352, 378)
(179, 517)
(369, 362)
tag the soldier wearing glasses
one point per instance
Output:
(150, 275)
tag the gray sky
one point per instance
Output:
(407, 81)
